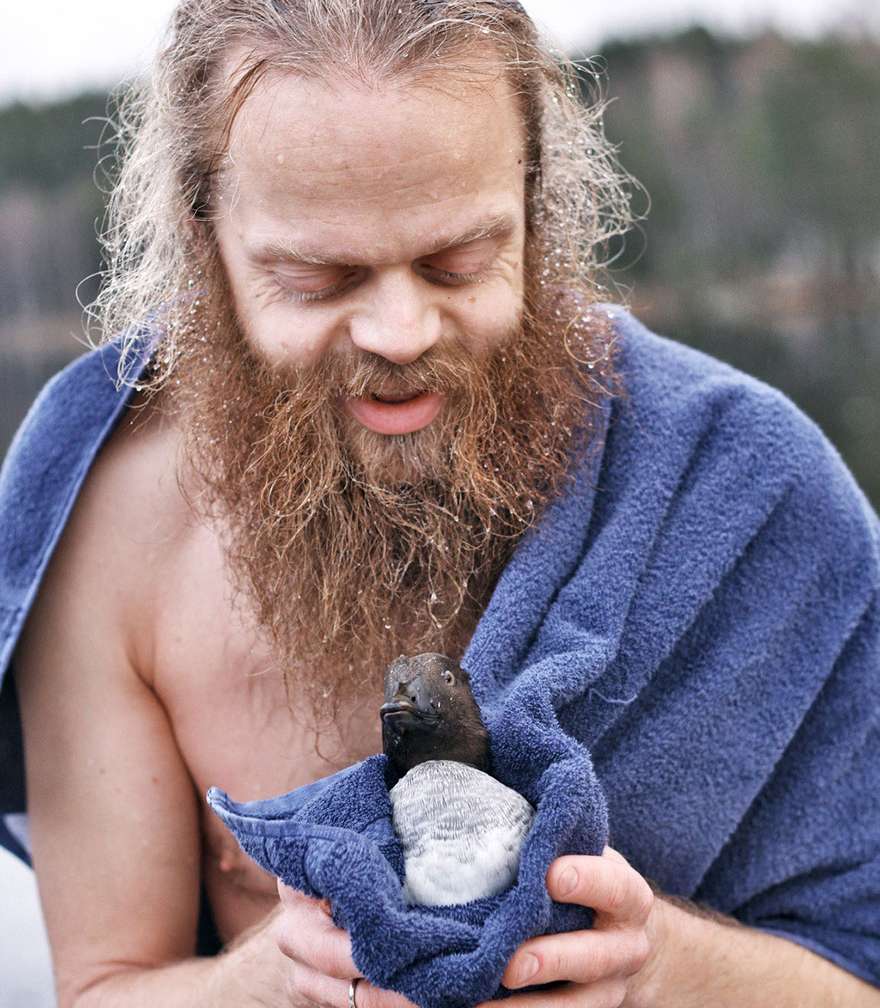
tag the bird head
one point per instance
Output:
(430, 713)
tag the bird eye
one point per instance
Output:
(449, 677)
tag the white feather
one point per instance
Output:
(461, 832)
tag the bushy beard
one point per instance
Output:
(351, 547)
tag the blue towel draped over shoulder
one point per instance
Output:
(689, 639)
(41, 477)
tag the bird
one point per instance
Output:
(459, 827)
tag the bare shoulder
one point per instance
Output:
(129, 524)
(132, 493)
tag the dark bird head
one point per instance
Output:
(430, 713)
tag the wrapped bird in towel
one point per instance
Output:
(461, 830)
(445, 849)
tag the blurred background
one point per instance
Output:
(754, 127)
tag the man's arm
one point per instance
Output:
(251, 973)
(113, 813)
(701, 956)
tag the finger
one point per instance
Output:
(608, 994)
(581, 956)
(308, 986)
(368, 996)
(305, 933)
(328, 992)
(291, 897)
(611, 887)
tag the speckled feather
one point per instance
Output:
(461, 832)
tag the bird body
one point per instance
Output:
(460, 829)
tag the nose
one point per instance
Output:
(401, 321)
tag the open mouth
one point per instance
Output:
(394, 412)
(395, 397)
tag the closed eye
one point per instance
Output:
(283, 288)
(306, 289)
(441, 276)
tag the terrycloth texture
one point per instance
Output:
(708, 621)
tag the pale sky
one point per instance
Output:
(60, 46)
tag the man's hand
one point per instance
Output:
(321, 966)
(642, 952)
(646, 952)
(602, 962)
(605, 965)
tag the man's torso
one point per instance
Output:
(195, 648)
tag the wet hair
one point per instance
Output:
(172, 131)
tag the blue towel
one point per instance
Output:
(691, 636)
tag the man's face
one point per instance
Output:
(359, 223)
(373, 244)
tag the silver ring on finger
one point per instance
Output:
(351, 992)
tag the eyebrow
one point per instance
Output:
(496, 228)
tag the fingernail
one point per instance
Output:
(525, 968)
(567, 880)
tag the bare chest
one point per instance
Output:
(235, 724)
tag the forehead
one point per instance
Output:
(382, 165)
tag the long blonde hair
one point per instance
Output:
(172, 130)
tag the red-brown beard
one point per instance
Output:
(351, 547)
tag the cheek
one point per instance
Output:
(490, 318)
(283, 339)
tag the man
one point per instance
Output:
(356, 243)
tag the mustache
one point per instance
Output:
(446, 367)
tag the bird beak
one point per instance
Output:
(397, 707)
